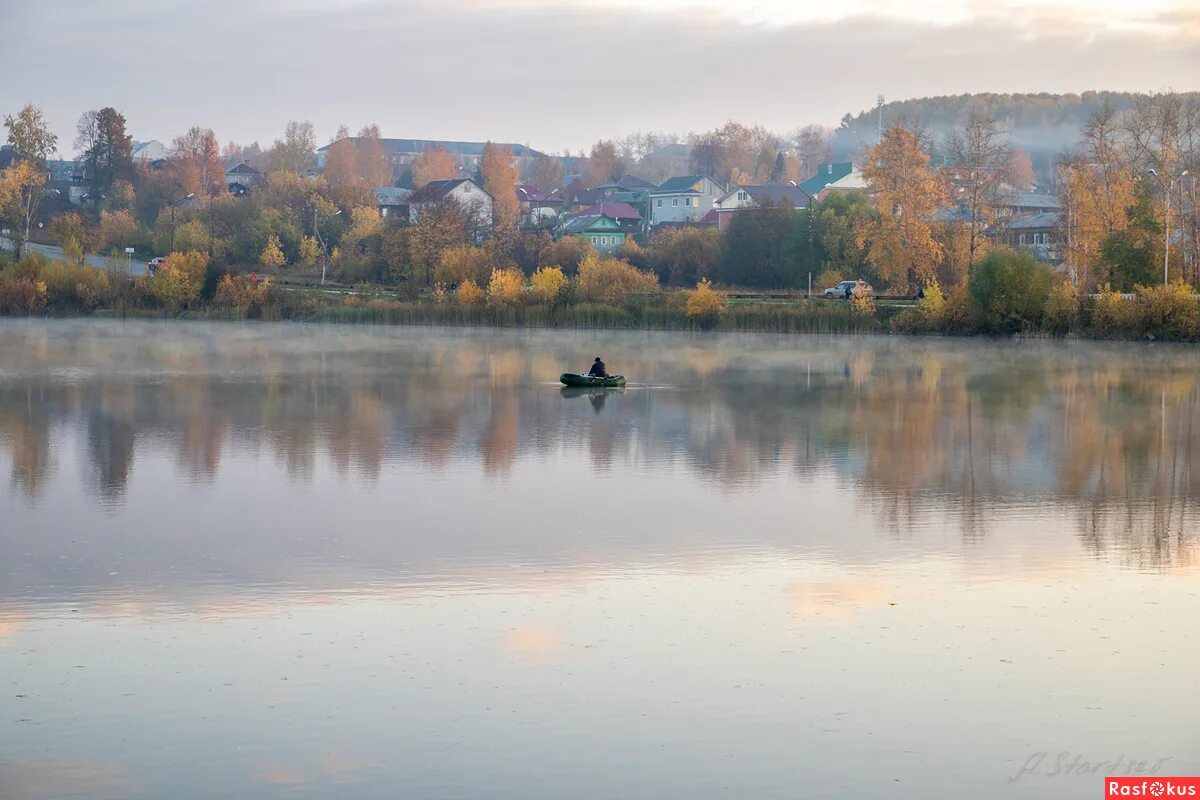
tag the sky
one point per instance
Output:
(557, 75)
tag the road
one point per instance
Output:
(100, 262)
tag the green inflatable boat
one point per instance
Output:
(571, 379)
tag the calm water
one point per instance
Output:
(274, 561)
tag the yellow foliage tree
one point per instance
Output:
(612, 281)
(272, 255)
(309, 251)
(435, 164)
(548, 284)
(462, 263)
(500, 178)
(906, 193)
(21, 190)
(706, 305)
(178, 280)
(505, 287)
(469, 294)
(242, 292)
(117, 229)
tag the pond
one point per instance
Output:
(280, 560)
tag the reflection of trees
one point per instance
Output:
(914, 427)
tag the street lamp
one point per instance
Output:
(1170, 184)
(317, 234)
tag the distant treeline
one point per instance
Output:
(1043, 124)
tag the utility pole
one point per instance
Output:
(879, 107)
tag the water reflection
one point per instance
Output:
(912, 427)
(285, 560)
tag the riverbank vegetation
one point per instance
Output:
(927, 229)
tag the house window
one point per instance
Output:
(687, 201)
(660, 202)
(741, 196)
(675, 201)
(593, 240)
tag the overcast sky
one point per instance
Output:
(562, 73)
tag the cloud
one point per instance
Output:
(551, 75)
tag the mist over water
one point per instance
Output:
(243, 560)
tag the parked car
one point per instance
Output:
(153, 264)
(846, 288)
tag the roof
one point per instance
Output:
(854, 181)
(418, 146)
(827, 173)
(531, 194)
(617, 211)
(391, 195)
(1020, 199)
(243, 169)
(434, 191)
(583, 223)
(628, 183)
(774, 193)
(680, 184)
(1038, 219)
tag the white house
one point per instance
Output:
(756, 196)
(685, 198)
(464, 191)
(145, 152)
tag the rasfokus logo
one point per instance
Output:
(1151, 787)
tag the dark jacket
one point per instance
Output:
(598, 369)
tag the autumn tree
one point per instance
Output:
(374, 165)
(547, 174)
(30, 136)
(604, 164)
(1020, 170)
(812, 148)
(272, 255)
(341, 164)
(500, 179)
(21, 188)
(434, 164)
(980, 155)
(731, 152)
(107, 150)
(1096, 189)
(196, 160)
(907, 194)
(294, 152)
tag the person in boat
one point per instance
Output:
(598, 369)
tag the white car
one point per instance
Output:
(153, 264)
(844, 289)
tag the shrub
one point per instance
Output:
(241, 292)
(568, 253)
(549, 285)
(440, 294)
(1062, 308)
(611, 281)
(464, 263)
(21, 294)
(71, 286)
(178, 280)
(469, 294)
(310, 250)
(1168, 312)
(1113, 315)
(1008, 291)
(862, 302)
(706, 305)
(118, 230)
(505, 287)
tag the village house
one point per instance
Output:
(740, 198)
(686, 198)
(148, 152)
(827, 175)
(242, 178)
(464, 191)
(392, 202)
(601, 230)
(628, 217)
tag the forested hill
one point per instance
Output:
(1043, 124)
